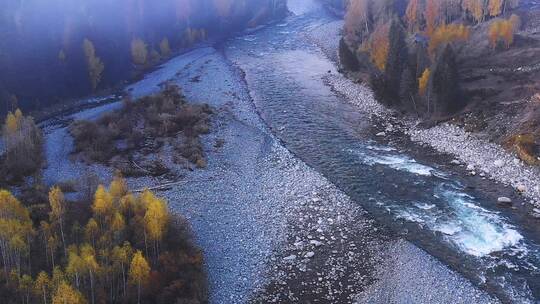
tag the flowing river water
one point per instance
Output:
(433, 208)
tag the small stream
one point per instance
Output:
(416, 198)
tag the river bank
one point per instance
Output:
(473, 151)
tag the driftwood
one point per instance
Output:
(165, 186)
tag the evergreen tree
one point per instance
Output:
(397, 59)
(446, 90)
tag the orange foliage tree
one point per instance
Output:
(380, 45)
(411, 15)
(495, 7)
(503, 30)
(432, 15)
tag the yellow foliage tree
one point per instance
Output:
(94, 63)
(118, 188)
(16, 230)
(65, 294)
(42, 285)
(495, 7)
(156, 220)
(139, 272)
(88, 256)
(165, 48)
(423, 82)
(139, 51)
(103, 204)
(58, 210)
(91, 231)
(445, 34)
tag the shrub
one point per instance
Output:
(144, 125)
(24, 151)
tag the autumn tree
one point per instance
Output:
(58, 211)
(16, 232)
(121, 257)
(139, 51)
(432, 15)
(42, 285)
(423, 82)
(412, 15)
(139, 272)
(495, 7)
(88, 256)
(103, 205)
(75, 268)
(23, 144)
(446, 34)
(380, 45)
(501, 30)
(475, 8)
(66, 294)
(94, 63)
(164, 47)
(358, 20)
(156, 219)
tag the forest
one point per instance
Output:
(411, 51)
(54, 50)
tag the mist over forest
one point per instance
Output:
(43, 58)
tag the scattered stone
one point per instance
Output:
(498, 163)
(503, 200)
(315, 243)
(291, 257)
(380, 134)
(521, 188)
(455, 162)
(310, 254)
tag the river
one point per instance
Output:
(433, 208)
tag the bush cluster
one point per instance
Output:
(142, 125)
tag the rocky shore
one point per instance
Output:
(476, 154)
